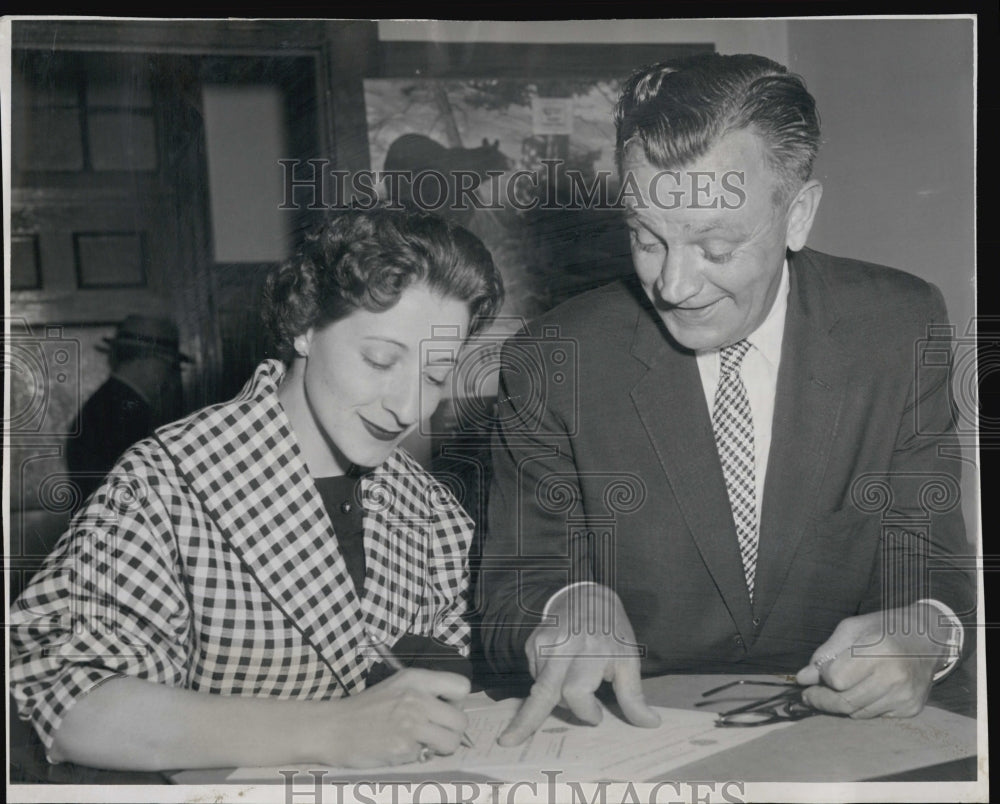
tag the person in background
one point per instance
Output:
(219, 600)
(143, 392)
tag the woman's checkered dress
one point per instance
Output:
(207, 561)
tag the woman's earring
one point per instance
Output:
(300, 346)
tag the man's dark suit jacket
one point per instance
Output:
(605, 468)
(110, 422)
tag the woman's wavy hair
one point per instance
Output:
(364, 260)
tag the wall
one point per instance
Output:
(896, 101)
(767, 37)
(897, 162)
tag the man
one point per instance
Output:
(631, 529)
(143, 392)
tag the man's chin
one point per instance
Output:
(697, 339)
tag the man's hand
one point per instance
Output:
(877, 665)
(591, 642)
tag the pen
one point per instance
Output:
(395, 665)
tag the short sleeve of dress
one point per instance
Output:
(110, 599)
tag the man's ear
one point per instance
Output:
(802, 212)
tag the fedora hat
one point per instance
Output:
(145, 332)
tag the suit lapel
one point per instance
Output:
(812, 381)
(244, 463)
(671, 404)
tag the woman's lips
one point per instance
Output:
(380, 432)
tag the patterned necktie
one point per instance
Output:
(733, 426)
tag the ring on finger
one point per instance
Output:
(425, 753)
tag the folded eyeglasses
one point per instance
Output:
(785, 706)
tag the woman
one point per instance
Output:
(216, 601)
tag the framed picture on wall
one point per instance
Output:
(516, 142)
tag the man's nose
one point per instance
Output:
(680, 277)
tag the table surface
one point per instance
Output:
(817, 749)
(934, 745)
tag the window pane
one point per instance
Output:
(24, 273)
(46, 139)
(109, 260)
(121, 141)
(245, 137)
(120, 83)
(34, 82)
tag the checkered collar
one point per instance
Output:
(245, 464)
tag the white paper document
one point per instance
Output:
(614, 750)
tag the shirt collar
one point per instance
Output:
(768, 336)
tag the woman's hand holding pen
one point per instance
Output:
(398, 720)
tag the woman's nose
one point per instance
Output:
(403, 400)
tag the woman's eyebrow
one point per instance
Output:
(386, 339)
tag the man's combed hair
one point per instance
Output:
(364, 260)
(679, 109)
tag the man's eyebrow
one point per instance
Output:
(720, 226)
(633, 216)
